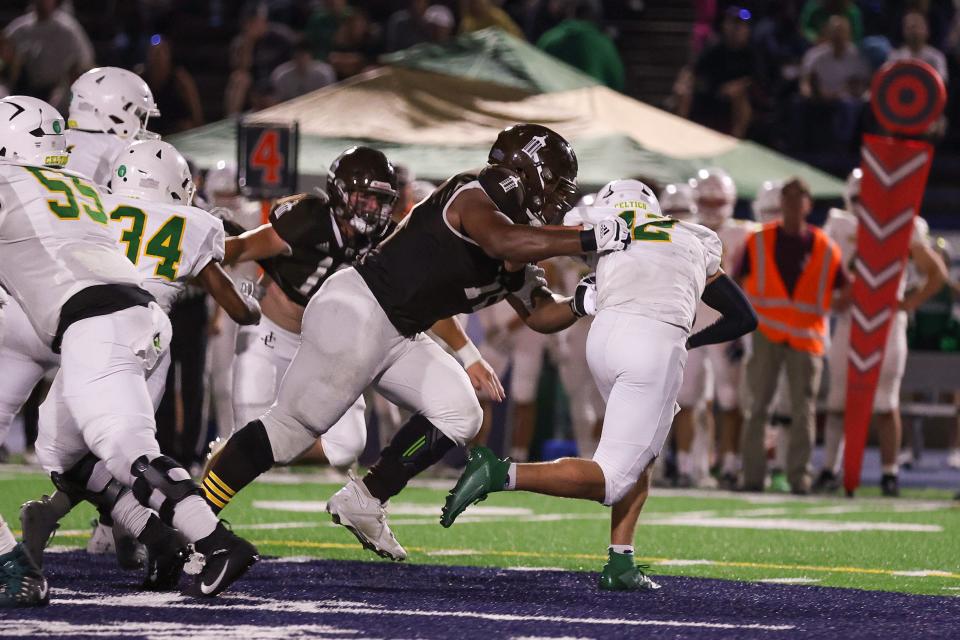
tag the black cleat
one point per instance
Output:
(164, 565)
(39, 520)
(890, 485)
(227, 558)
(826, 482)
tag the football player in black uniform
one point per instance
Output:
(468, 245)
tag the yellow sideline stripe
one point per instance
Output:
(594, 556)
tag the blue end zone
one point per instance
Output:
(92, 598)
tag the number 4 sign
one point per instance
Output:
(267, 158)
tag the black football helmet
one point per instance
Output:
(546, 166)
(362, 185)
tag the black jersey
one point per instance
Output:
(427, 270)
(318, 248)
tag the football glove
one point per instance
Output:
(584, 300)
(611, 234)
(533, 278)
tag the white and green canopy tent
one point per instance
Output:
(437, 109)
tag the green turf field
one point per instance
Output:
(909, 545)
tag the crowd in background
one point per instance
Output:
(772, 71)
(779, 71)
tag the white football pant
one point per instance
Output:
(348, 344)
(638, 366)
(264, 353)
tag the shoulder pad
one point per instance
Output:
(505, 189)
(308, 202)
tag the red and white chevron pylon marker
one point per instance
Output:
(907, 97)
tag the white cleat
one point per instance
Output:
(366, 518)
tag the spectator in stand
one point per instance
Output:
(255, 52)
(440, 23)
(480, 14)
(356, 44)
(408, 27)
(9, 67)
(718, 93)
(833, 80)
(916, 33)
(542, 16)
(579, 42)
(300, 75)
(323, 25)
(705, 13)
(817, 13)
(781, 46)
(52, 47)
(174, 90)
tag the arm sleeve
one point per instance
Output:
(738, 317)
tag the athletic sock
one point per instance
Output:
(511, 482)
(684, 463)
(622, 548)
(7, 541)
(518, 454)
(194, 518)
(890, 469)
(130, 514)
(417, 445)
(731, 463)
(246, 455)
(833, 443)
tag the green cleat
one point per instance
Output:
(620, 574)
(778, 482)
(21, 583)
(484, 473)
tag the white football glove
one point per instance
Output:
(534, 277)
(611, 234)
(584, 300)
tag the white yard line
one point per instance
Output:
(238, 602)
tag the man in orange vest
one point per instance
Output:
(789, 272)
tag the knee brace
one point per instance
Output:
(160, 484)
(89, 480)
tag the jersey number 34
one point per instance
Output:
(165, 244)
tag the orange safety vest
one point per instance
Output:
(801, 320)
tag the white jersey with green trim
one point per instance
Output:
(663, 272)
(169, 243)
(55, 240)
(92, 154)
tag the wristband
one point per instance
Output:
(588, 241)
(469, 355)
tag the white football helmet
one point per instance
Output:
(851, 194)
(716, 196)
(114, 101)
(766, 204)
(221, 181)
(153, 170)
(677, 201)
(628, 194)
(32, 132)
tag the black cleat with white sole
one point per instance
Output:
(227, 558)
(164, 565)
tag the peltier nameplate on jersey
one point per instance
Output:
(267, 158)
